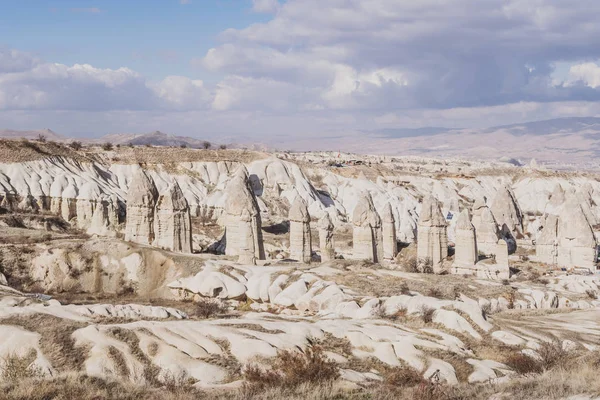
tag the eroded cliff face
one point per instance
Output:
(92, 194)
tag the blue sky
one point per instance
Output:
(263, 70)
(154, 37)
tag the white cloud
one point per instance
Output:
(586, 73)
(265, 6)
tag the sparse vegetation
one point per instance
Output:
(427, 314)
(207, 308)
(291, 369)
(107, 146)
(223, 147)
(206, 145)
(76, 145)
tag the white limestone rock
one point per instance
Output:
(172, 221)
(367, 234)
(465, 242)
(432, 242)
(243, 234)
(300, 236)
(390, 243)
(326, 238)
(141, 201)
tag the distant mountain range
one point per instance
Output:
(554, 142)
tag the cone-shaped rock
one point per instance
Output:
(300, 240)
(243, 235)
(556, 201)
(141, 200)
(465, 253)
(172, 221)
(326, 238)
(546, 245)
(367, 235)
(486, 230)
(432, 237)
(576, 240)
(390, 244)
(507, 212)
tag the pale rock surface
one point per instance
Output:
(432, 242)
(390, 243)
(546, 245)
(576, 241)
(300, 236)
(501, 268)
(507, 212)
(326, 238)
(172, 221)
(465, 253)
(141, 200)
(486, 230)
(209, 282)
(367, 234)
(243, 234)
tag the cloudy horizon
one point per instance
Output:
(265, 69)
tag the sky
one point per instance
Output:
(268, 70)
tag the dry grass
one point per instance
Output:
(57, 343)
(291, 369)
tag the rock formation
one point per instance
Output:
(486, 229)
(465, 248)
(300, 238)
(367, 234)
(576, 240)
(141, 200)
(478, 207)
(326, 238)
(432, 238)
(557, 199)
(501, 269)
(172, 221)
(243, 235)
(507, 212)
(546, 246)
(390, 243)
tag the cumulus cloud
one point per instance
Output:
(27, 83)
(265, 6)
(456, 53)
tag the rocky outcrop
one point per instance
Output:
(501, 269)
(576, 240)
(432, 237)
(172, 221)
(546, 246)
(367, 234)
(556, 201)
(326, 238)
(243, 235)
(300, 237)
(486, 229)
(390, 243)
(141, 201)
(465, 242)
(508, 214)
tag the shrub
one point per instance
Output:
(206, 308)
(75, 145)
(591, 294)
(206, 145)
(403, 377)
(41, 138)
(435, 292)
(427, 266)
(107, 146)
(412, 265)
(183, 146)
(404, 289)
(291, 369)
(15, 368)
(427, 314)
(523, 364)
(223, 147)
(552, 354)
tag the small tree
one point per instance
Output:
(206, 145)
(75, 145)
(107, 146)
(41, 138)
(183, 146)
(223, 147)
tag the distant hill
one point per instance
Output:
(156, 138)
(48, 134)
